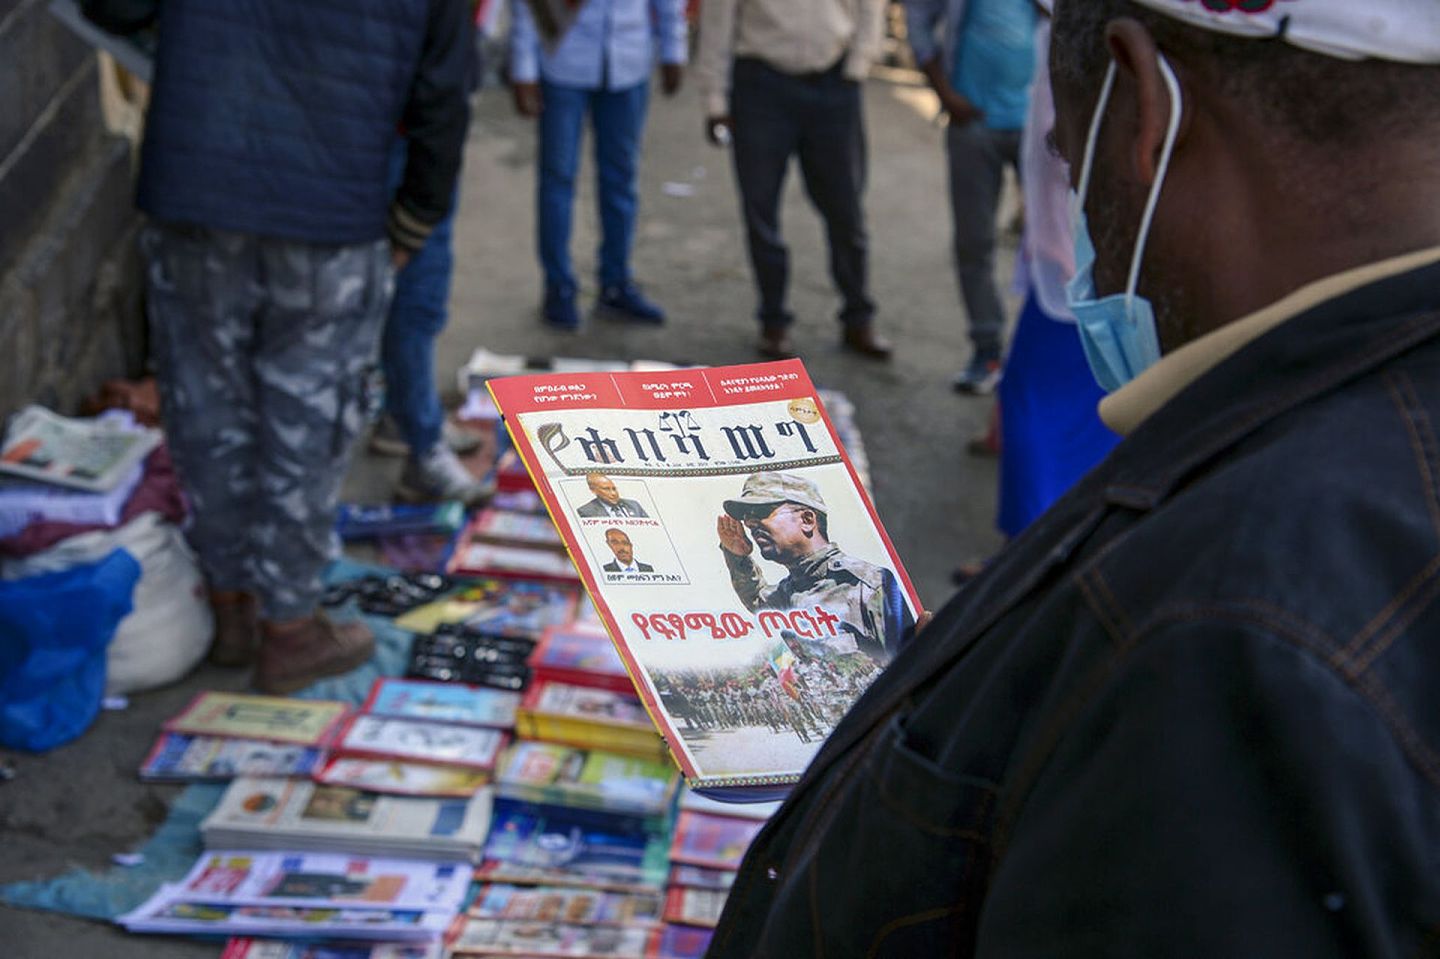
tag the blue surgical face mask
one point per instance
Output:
(1118, 331)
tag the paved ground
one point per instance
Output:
(80, 804)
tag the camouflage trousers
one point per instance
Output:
(266, 351)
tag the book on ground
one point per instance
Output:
(588, 717)
(298, 814)
(554, 775)
(247, 948)
(177, 757)
(308, 722)
(95, 455)
(442, 702)
(735, 557)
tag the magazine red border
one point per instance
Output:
(700, 398)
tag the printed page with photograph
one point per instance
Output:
(732, 553)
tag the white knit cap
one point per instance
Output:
(1407, 31)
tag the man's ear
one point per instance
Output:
(1138, 62)
(808, 520)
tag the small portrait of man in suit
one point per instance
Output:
(607, 501)
(624, 561)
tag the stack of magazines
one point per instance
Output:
(297, 814)
(288, 894)
(222, 735)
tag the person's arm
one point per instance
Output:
(436, 118)
(1224, 789)
(673, 40)
(923, 20)
(869, 38)
(712, 65)
(746, 578)
(524, 59)
(121, 17)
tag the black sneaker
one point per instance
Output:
(626, 302)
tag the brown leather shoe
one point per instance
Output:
(297, 652)
(775, 344)
(861, 338)
(237, 628)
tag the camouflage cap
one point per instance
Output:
(764, 491)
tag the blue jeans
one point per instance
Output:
(417, 315)
(618, 119)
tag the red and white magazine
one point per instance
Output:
(732, 553)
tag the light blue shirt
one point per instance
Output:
(611, 44)
(995, 59)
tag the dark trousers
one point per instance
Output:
(817, 117)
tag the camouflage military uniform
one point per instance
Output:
(265, 350)
(851, 589)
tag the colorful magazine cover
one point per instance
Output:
(402, 778)
(181, 758)
(689, 906)
(556, 838)
(442, 702)
(714, 842)
(309, 722)
(245, 948)
(419, 741)
(580, 657)
(498, 607)
(560, 904)
(698, 877)
(736, 560)
(679, 942)
(552, 774)
(323, 880)
(166, 914)
(510, 873)
(541, 940)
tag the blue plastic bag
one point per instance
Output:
(53, 633)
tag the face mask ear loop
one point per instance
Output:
(1087, 163)
(1172, 131)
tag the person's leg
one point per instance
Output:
(417, 315)
(619, 122)
(833, 163)
(766, 133)
(976, 176)
(313, 365)
(561, 123)
(201, 298)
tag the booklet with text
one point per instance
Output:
(735, 558)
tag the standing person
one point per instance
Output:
(270, 253)
(1190, 712)
(599, 66)
(781, 79)
(980, 67)
(414, 424)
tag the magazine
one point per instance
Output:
(244, 948)
(323, 880)
(698, 877)
(442, 702)
(560, 904)
(354, 521)
(95, 455)
(694, 907)
(580, 657)
(260, 813)
(511, 873)
(176, 757)
(588, 717)
(573, 839)
(714, 842)
(308, 722)
(555, 775)
(679, 942)
(537, 939)
(419, 741)
(398, 778)
(498, 607)
(736, 559)
(166, 912)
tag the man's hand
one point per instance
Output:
(528, 101)
(719, 130)
(961, 110)
(399, 256)
(671, 76)
(732, 536)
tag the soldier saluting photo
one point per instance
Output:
(788, 521)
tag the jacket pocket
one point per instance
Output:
(899, 868)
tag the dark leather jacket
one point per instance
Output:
(1194, 711)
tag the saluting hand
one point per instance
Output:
(732, 536)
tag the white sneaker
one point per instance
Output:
(385, 438)
(438, 476)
